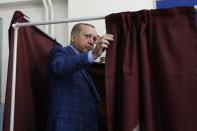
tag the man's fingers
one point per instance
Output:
(104, 41)
(108, 37)
(104, 45)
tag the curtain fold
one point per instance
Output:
(31, 78)
(151, 70)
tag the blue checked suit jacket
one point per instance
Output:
(73, 96)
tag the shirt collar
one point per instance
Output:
(75, 50)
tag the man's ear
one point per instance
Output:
(73, 37)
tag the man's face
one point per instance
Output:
(84, 41)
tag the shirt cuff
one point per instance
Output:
(90, 57)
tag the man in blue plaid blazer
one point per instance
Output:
(72, 95)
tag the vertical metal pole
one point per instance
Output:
(154, 4)
(13, 90)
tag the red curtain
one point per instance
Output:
(31, 78)
(151, 70)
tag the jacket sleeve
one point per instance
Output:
(62, 63)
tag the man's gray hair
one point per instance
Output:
(77, 28)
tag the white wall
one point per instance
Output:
(60, 12)
(35, 10)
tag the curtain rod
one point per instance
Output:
(63, 21)
(57, 21)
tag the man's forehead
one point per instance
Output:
(89, 31)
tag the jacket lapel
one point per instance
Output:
(86, 76)
(91, 84)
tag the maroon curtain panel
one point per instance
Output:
(97, 72)
(31, 78)
(151, 70)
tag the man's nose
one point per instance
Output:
(91, 40)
